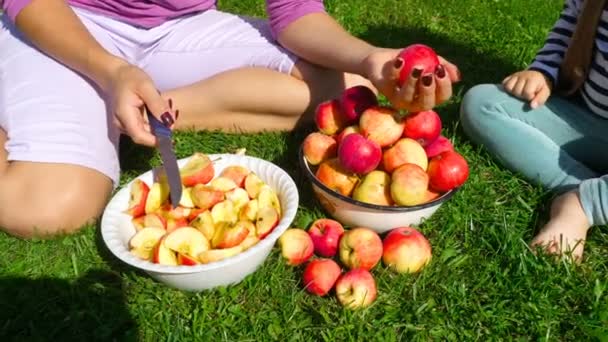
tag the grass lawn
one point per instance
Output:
(483, 283)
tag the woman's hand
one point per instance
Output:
(529, 85)
(129, 89)
(419, 91)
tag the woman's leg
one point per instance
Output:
(57, 156)
(225, 72)
(557, 145)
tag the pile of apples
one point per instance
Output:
(217, 217)
(326, 245)
(375, 154)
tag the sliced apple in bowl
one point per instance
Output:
(143, 242)
(188, 241)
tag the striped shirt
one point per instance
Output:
(550, 56)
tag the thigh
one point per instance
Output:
(3, 154)
(201, 46)
(50, 113)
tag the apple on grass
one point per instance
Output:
(318, 147)
(358, 154)
(227, 236)
(356, 289)
(236, 173)
(296, 246)
(355, 100)
(143, 242)
(212, 255)
(404, 151)
(420, 56)
(447, 170)
(360, 248)
(406, 250)
(334, 176)
(346, 131)
(198, 170)
(329, 117)
(320, 275)
(325, 234)
(158, 194)
(163, 255)
(137, 198)
(187, 241)
(441, 144)
(381, 125)
(266, 221)
(204, 223)
(374, 188)
(205, 196)
(424, 127)
(253, 185)
(409, 185)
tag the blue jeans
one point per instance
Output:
(561, 145)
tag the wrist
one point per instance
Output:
(101, 68)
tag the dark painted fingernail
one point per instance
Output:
(167, 119)
(427, 80)
(440, 71)
(170, 104)
(416, 72)
(176, 114)
(398, 63)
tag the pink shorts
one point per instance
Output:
(52, 114)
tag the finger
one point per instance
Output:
(540, 98)
(133, 123)
(407, 92)
(506, 80)
(510, 84)
(530, 89)
(426, 88)
(443, 86)
(155, 103)
(451, 69)
(518, 89)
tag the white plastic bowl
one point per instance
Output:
(379, 218)
(117, 229)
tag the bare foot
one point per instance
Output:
(566, 230)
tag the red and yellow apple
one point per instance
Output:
(374, 188)
(355, 100)
(447, 170)
(320, 275)
(334, 176)
(381, 125)
(318, 147)
(329, 117)
(404, 151)
(356, 289)
(406, 250)
(296, 246)
(198, 170)
(424, 127)
(358, 154)
(137, 198)
(417, 55)
(360, 248)
(409, 185)
(325, 235)
(441, 144)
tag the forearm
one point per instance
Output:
(318, 38)
(53, 27)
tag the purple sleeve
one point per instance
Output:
(13, 7)
(283, 12)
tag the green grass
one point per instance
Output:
(483, 283)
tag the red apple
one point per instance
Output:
(198, 170)
(381, 125)
(406, 250)
(355, 100)
(404, 151)
(424, 127)
(358, 154)
(334, 176)
(356, 289)
(236, 173)
(329, 117)
(437, 146)
(318, 147)
(325, 234)
(447, 171)
(137, 199)
(417, 55)
(296, 246)
(320, 275)
(346, 131)
(360, 248)
(409, 185)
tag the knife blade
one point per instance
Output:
(167, 155)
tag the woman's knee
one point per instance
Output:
(43, 208)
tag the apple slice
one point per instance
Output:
(143, 242)
(205, 197)
(177, 213)
(267, 219)
(268, 198)
(194, 213)
(163, 255)
(137, 199)
(187, 240)
(159, 193)
(173, 224)
(224, 212)
(227, 236)
(223, 184)
(239, 198)
(249, 242)
(183, 259)
(249, 211)
(237, 173)
(186, 199)
(198, 170)
(253, 185)
(155, 220)
(138, 223)
(218, 254)
(204, 223)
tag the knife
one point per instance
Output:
(167, 155)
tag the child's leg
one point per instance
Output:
(224, 71)
(556, 145)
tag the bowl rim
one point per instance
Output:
(395, 208)
(123, 254)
